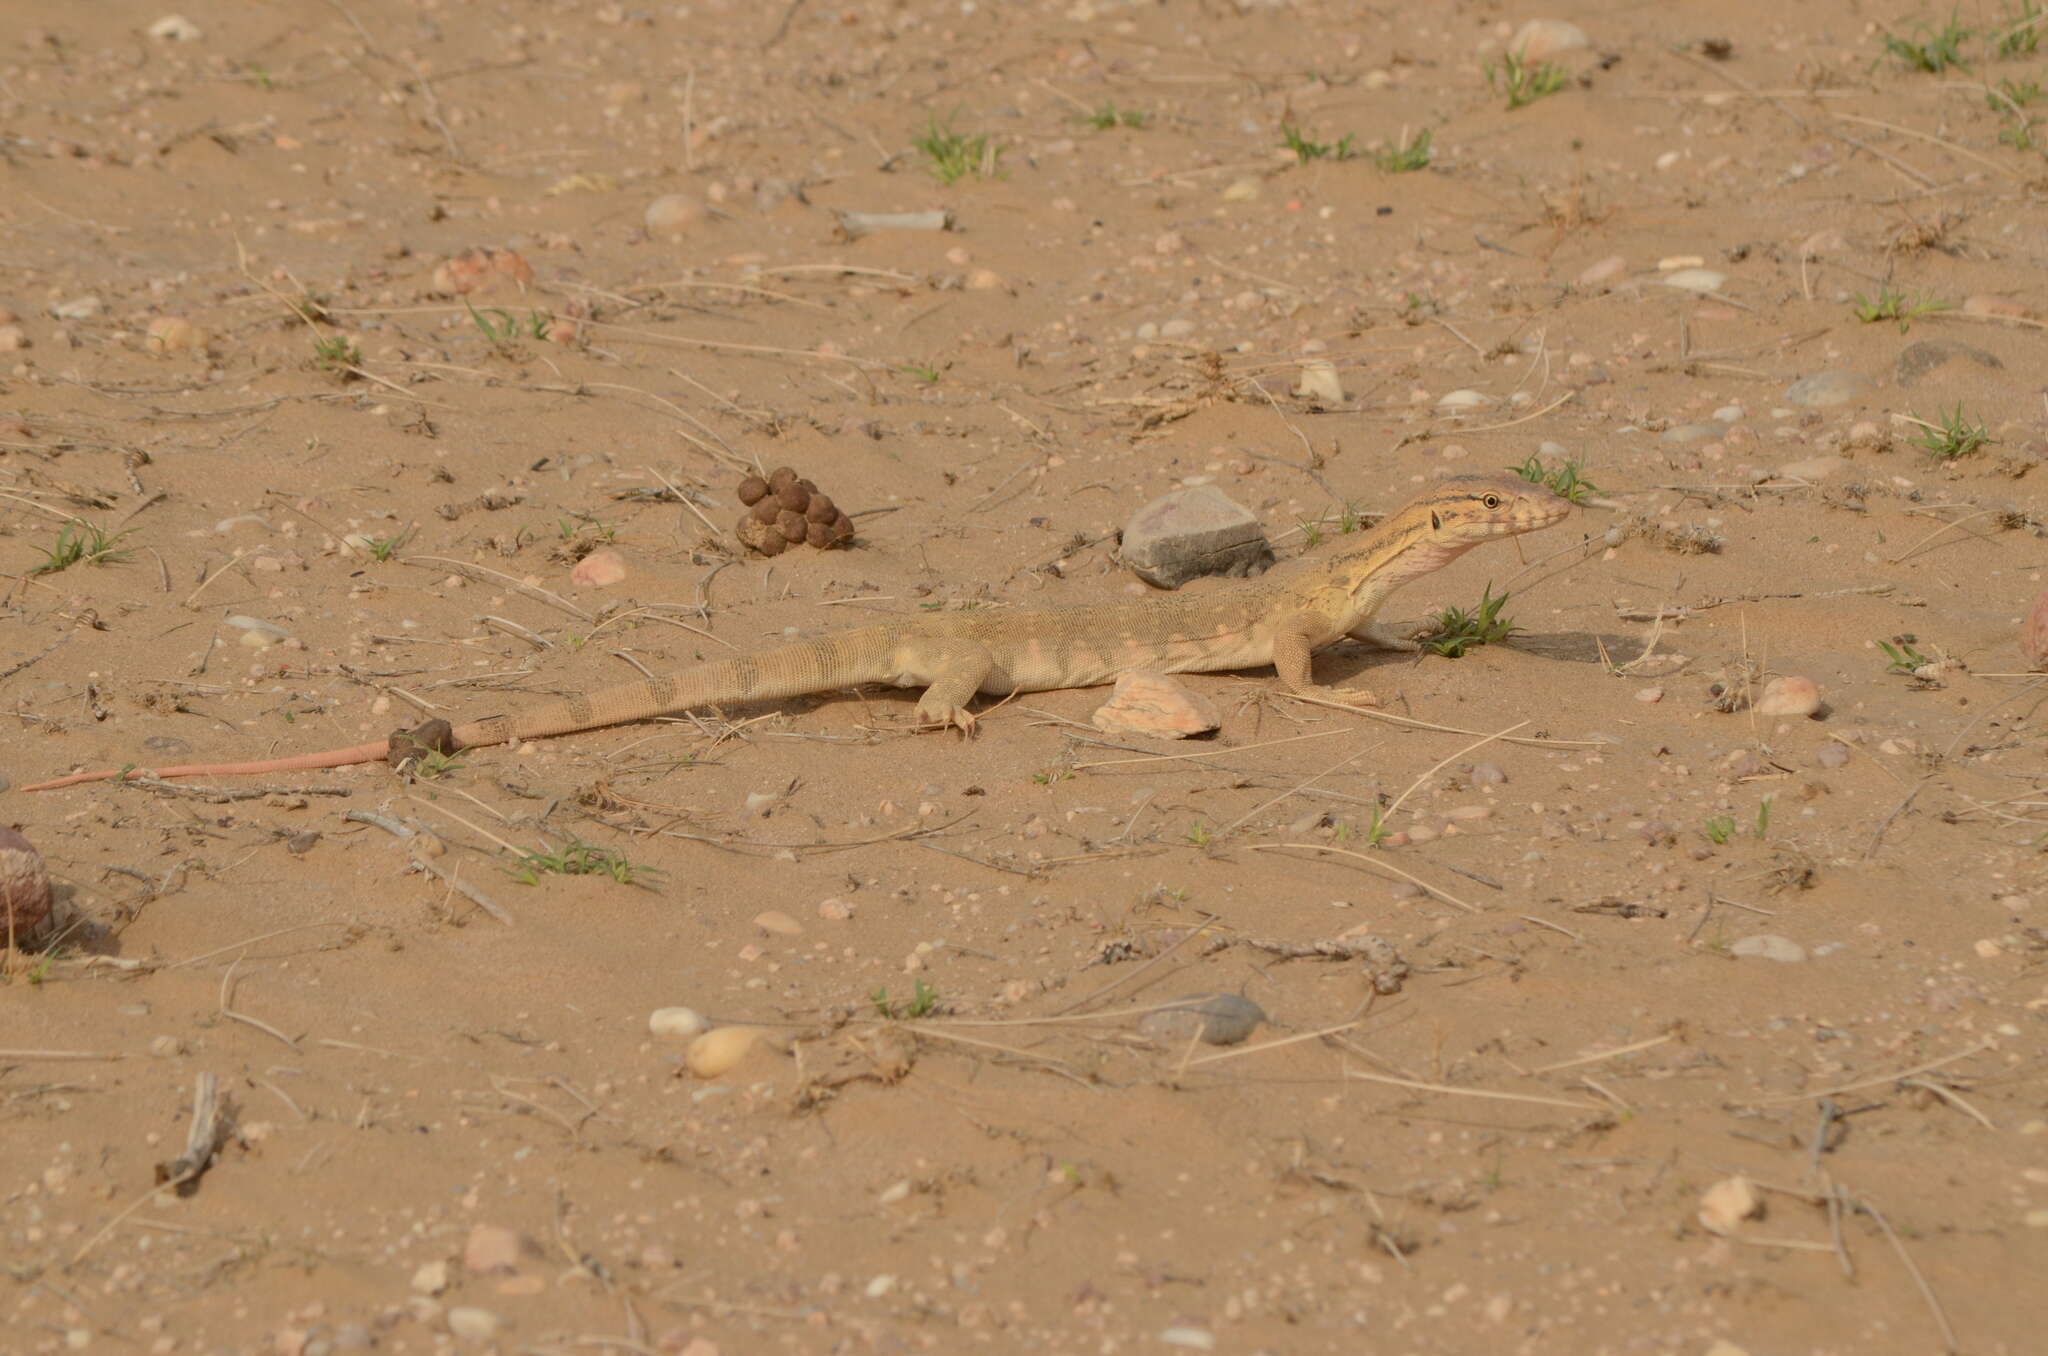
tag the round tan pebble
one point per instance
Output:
(172, 334)
(720, 1048)
(13, 339)
(24, 887)
(753, 490)
(1791, 696)
(792, 525)
(672, 214)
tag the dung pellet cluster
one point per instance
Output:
(786, 510)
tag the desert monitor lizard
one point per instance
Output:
(1279, 618)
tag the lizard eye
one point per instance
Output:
(1492, 501)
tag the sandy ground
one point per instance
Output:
(1664, 940)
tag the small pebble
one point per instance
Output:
(431, 1278)
(1320, 383)
(600, 569)
(472, 1324)
(2034, 633)
(719, 1049)
(1700, 280)
(1769, 946)
(1542, 39)
(1613, 266)
(490, 1248)
(1825, 389)
(778, 922)
(175, 28)
(1650, 694)
(24, 887)
(172, 334)
(1831, 755)
(1789, 696)
(677, 1024)
(1463, 399)
(834, 910)
(1487, 774)
(1728, 1202)
(673, 214)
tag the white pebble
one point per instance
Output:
(677, 1024)
(472, 1324)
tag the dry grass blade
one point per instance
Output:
(1376, 864)
(1413, 724)
(1261, 1049)
(484, 574)
(1442, 763)
(1450, 1091)
(1979, 1048)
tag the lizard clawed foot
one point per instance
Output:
(943, 718)
(1350, 696)
(1387, 638)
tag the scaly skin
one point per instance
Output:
(1279, 618)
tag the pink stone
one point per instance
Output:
(2034, 633)
(24, 887)
(1604, 270)
(490, 1248)
(1156, 705)
(599, 569)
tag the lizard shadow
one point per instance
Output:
(1565, 647)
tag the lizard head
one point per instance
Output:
(1466, 510)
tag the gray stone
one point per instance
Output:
(1214, 1018)
(1692, 433)
(1192, 532)
(1923, 357)
(1769, 946)
(1824, 389)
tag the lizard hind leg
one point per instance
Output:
(952, 668)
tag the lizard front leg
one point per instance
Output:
(1294, 640)
(953, 669)
(1379, 634)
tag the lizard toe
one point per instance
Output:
(946, 718)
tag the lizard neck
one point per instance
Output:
(1349, 586)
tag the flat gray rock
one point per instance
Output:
(1192, 532)
(1213, 1018)
(1923, 357)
